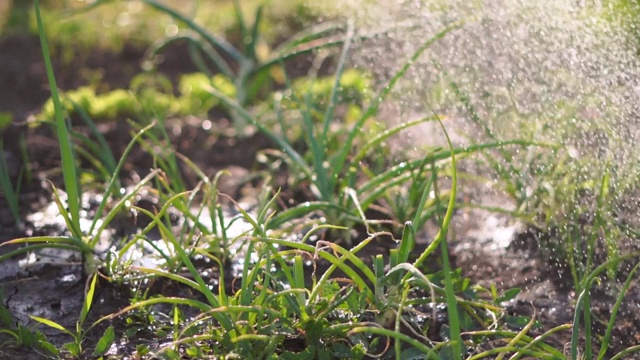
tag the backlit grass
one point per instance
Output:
(305, 286)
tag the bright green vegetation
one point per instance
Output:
(327, 136)
(148, 92)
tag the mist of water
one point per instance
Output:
(551, 70)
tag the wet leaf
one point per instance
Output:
(50, 323)
(5, 317)
(27, 337)
(195, 352)
(105, 342)
(444, 332)
(466, 322)
(508, 295)
(47, 346)
(88, 300)
(73, 348)
(170, 354)
(519, 322)
(5, 119)
(142, 349)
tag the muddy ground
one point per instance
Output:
(488, 247)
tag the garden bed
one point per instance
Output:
(239, 267)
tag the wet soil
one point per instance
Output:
(489, 248)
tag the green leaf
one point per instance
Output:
(5, 119)
(194, 352)
(408, 242)
(73, 348)
(105, 342)
(45, 345)
(508, 295)
(66, 150)
(88, 299)
(518, 322)
(51, 323)
(169, 354)
(28, 337)
(6, 318)
(142, 349)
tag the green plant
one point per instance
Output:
(583, 308)
(19, 334)
(573, 199)
(281, 301)
(75, 347)
(330, 173)
(334, 162)
(148, 96)
(555, 189)
(248, 69)
(82, 240)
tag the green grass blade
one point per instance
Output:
(588, 281)
(255, 32)
(614, 312)
(450, 207)
(24, 154)
(378, 139)
(88, 299)
(68, 159)
(521, 334)
(118, 206)
(397, 336)
(538, 341)
(339, 161)
(242, 24)
(452, 304)
(419, 219)
(34, 247)
(155, 301)
(621, 355)
(303, 209)
(436, 156)
(333, 97)
(407, 243)
(586, 310)
(106, 154)
(318, 151)
(171, 276)
(51, 323)
(308, 36)
(205, 47)
(213, 40)
(298, 274)
(281, 142)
